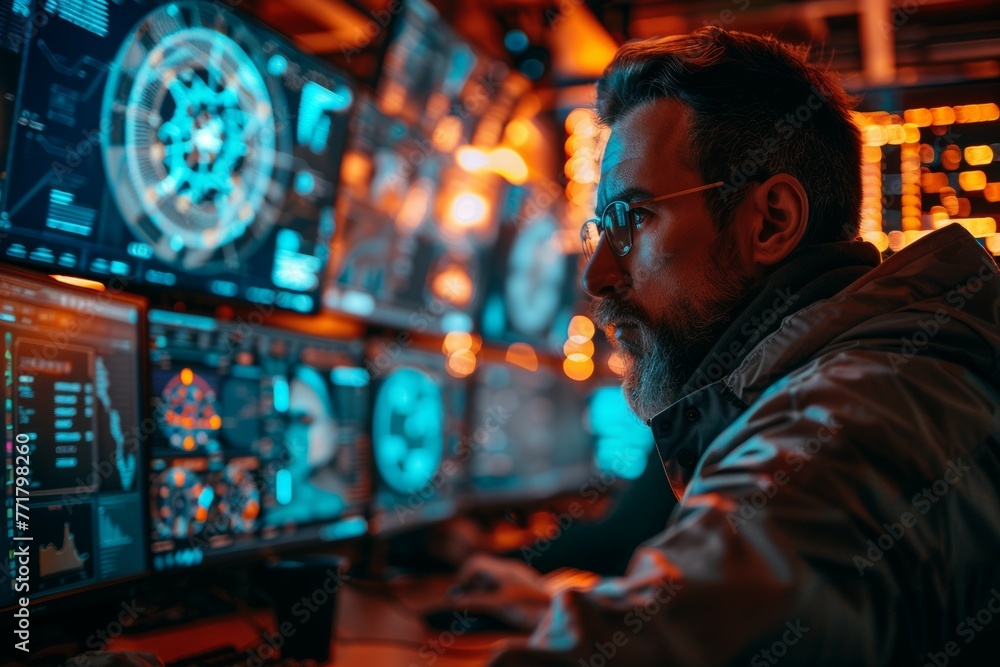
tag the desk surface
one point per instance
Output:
(374, 629)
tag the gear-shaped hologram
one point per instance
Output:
(193, 156)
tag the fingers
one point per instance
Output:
(480, 571)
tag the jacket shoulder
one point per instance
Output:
(865, 406)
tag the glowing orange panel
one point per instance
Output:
(919, 117)
(977, 155)
(972, 180)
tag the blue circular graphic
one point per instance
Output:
(192, 152)
(408, 429)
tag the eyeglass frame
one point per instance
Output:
(599, 222)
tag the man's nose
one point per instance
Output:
(603, 272)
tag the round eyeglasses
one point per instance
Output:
(618, 221)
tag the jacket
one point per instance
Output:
(837, 467)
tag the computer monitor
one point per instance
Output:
(533, 289)
(74, 432)
(534, 438)
(418, 230)
(261, 441)
(417, 435)
(426, 68)
(179, 146)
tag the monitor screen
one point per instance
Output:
(533, 289)
(426, 68)
(417, 418)
(72, 417)
(418, 230)
(179, 146)
(536, 442)
(262, 439)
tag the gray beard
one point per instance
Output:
(655, 374)
(668, 353)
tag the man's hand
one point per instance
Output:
(507, 589)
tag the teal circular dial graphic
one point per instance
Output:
(408, 429)
(193, 151)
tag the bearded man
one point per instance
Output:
(828, 421)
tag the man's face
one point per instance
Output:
(668, 299)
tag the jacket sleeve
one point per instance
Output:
(801, 536)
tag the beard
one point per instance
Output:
(659, 357)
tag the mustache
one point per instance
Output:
(607, 312)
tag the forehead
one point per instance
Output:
(646, 146)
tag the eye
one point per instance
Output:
(639, 216)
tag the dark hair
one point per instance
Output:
(759, 108)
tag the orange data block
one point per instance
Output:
(942, 116)
(875, 135)
(984, 227)
(879, 239)
(972, 180)
(991, 192)
(933, 181)
(978, 155)
(951, 157)
(919, 117)
(993, 244)
(871, 153)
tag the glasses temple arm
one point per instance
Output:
(678, 194)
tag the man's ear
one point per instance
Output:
(779, 219)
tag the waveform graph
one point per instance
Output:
(54, 407)
(116, 412)
(119, 537)
(64, 540)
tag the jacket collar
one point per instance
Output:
(829, 293)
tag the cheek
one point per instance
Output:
(666, 282)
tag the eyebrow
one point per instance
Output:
(629, 195)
